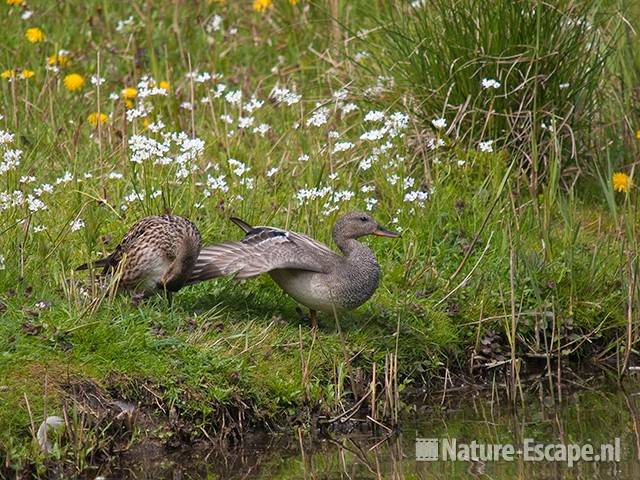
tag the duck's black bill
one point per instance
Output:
(383, 232)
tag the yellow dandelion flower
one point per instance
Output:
(60, 60)
(638, 134)
(26, 73)
(294, 2)
(73, 81)
(129, 93)
(34, 35)
(621, 182)
(163, 84)
(94, 118)
(8, 74)
(15, 2)
(128, 103)
(262, 5)
(146, 122)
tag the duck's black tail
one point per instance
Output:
(246, 228)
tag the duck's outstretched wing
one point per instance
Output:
(262, 249)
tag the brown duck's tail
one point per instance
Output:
(101, 263)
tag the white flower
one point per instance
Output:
(272, 171)
(219, 90)
(486, 146)
(39, 228)
(373, 135)
(155, 127)
(234, 97)
(319, 117)
(96, 80)
(239, 168)
(214, 25)
(340, 95)
(333, 134)
(122, 24)
(245, 122)
(216, 183)
(367, 188)
(303, 157)
(439, 123)
(374, 116)
(253, 104)
(27, 179)
(2, 264)
(186, 106)
(6, 137)
(366, 163)
(226, 118)
(348, 108)
(434, 144)
(284, 95)
(490, 83)
(26, 15)
(562, 86)
(115, 176)
(77, 225)
(261, 129)
(66, 178)
(342, 147)
(35, 204)
(417, 196)
(370, 203)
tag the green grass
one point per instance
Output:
(224, 344)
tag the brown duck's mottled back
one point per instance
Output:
(159, 253)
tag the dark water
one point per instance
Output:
(595, 415)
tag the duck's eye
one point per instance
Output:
(364, 219)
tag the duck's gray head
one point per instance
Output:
(359, 224)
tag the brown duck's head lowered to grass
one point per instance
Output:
(358, 224)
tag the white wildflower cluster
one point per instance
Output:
(335, 199)
(77, 224)
(417, 196)
(439, 123)
(125, 25)
(342, 147)
(319, 117)
(486, 146)
(147, 87)
(340, 97)
(174, 148)
(392, 127)
(198, 77)
(490, 83)
(215, 183)
(306, 195)
(214, 24)
(10, 157)
(284, 95)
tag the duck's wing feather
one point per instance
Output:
(262, 250)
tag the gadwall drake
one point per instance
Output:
(306, 269)
(157, 254)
